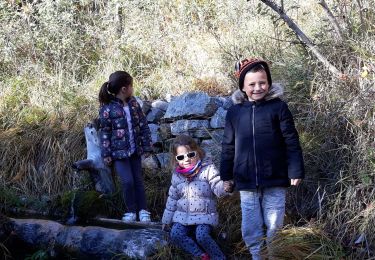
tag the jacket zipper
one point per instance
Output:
(254, 153)
(188, 196)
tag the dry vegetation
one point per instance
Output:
(54, 55)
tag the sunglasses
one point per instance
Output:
(182, 157)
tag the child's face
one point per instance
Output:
(186, 152)
(128, 91)
(256, 85)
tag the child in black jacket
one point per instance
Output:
(261, 152)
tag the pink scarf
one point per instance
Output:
(191, 172)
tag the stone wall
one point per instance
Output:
(194, 113)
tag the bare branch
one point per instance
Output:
(332, 19)
(303, 38)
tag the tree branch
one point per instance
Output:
(303, 38)
(332, 19)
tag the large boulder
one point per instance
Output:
(191, 105)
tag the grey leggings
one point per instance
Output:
(181, 236)
(130, 172)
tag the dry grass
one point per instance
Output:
(37, 159)
(303, 243)
(54, 56)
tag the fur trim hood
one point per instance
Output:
(275, 91)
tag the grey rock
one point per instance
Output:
(160, 104)
(155, 136)
(218, 119)
(191, 104)
(212, 149)
(155, 115)
(219, 101)
(186, 126)
(165, 131)
(217, 136)
(169, 97)
(164, 159)
(145, 105)
(224, 102)
(200, 133)
(150, 163)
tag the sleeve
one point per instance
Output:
(227, 151)
(145, 130)
(294, 152)
(105, 131)
(171, 205)
(216, 184)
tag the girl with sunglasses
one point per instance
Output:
(191, 203)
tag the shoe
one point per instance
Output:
(144, 216)
(129, 217)
(205, 256)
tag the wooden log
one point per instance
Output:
(88, 241)
(100, 174)
(117, 223)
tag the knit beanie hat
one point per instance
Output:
(243, 66)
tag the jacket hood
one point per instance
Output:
(276, 90)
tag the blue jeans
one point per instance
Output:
(130, 172)
(181, 236)
(261, 207)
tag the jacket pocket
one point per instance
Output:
(275, 166)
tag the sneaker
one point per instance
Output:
(129, 217)
(144, 216)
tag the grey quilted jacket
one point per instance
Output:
(194, 202)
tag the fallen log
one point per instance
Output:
(117, 223)
(89, 241)
(100, 174)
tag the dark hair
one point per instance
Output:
(188, 142)
(256, 68)
(112, 87)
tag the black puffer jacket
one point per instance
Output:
(261, 146)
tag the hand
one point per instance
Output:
(295, 182)
(228, 186)
(108, 161)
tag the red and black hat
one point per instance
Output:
(243, 66)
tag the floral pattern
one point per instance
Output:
(113, 130)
